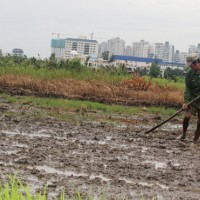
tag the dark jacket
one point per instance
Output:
(192, 85)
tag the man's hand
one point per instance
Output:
(185, 106)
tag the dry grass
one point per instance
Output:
(135, 91)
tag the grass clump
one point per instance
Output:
(15, 190)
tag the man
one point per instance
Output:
(192, 90)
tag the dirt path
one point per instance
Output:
(93, 156)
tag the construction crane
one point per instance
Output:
(91, 35)
(57, 34)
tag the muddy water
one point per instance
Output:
(118, 159)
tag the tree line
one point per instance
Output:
(155, 72)
(52, 63)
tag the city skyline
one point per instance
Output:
(29, 24)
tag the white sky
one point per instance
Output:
(28, 24)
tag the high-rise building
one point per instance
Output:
(168, 52)
(58, 48)
(18, 52)
(116, 46)
(159, 48)
(164, 51)
(182, 57)
(151, 51)
(103, 47)
(83, 47)
(177, 56)
(192, 49)
(128, 51)
(141, 49)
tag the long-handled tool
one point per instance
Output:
(195, 99)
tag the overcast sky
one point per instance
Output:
(29, 24)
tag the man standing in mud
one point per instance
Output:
(192, 90)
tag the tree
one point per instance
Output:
(172, 74)
(87, 60)
(105, 55)
(52, 62)
(142, 71)
(155, 71)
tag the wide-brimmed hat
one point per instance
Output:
(191, 58)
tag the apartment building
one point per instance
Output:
(83, 47)
(192, 49)
(103, 47)
(182, 57)
(116, 46)
(158, 50)
(128, 51)
(168, 52)
(141, 49)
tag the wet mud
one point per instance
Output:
(96, 157)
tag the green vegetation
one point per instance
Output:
(161, 110)
(76, 105)
(14, 189)
(53, 69)
(178, 85)
(155, 71)
(49, 74)
(173, 74)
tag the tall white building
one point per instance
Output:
(192, 49)
(141, 49)
(102, 48)
(168, 52)
(128, 51)
(182, 57)
(164, 51)
(177, 56)
(83, 47)
(159, 47)
(116, 46)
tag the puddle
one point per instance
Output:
(20, 145)
(129, 181)
(164, 187)
(176, 164)
(11, 152)
(35, 134)
(51, 170)
(157, 164)
(171, 126)
(145, 184)
(32, 178)
(108, 137)
(144, 149)
(121, 126)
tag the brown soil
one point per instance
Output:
(95, 156)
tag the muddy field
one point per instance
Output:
(94, 156)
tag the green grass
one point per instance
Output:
(161, 110)
(84, 106)
(49, 74)
(14, 189)
(179, 84)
